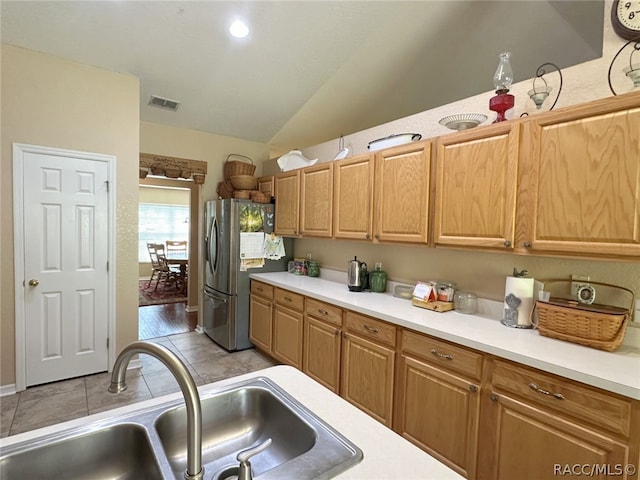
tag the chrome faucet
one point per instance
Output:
(189, 390)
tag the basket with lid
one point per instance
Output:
(236, 164)
(593, 325)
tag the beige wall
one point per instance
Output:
(53, 102)
(481, 272)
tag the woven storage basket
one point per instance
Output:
(597, 326)
(238, 167)
(225, 189)
(244, 182)
(260, 197)
(242, 194)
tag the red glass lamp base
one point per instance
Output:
(500, 104)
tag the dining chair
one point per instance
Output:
(159, 266)
(177, 248)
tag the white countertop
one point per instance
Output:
(617, 372)
(386, 454)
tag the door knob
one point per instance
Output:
(34, 282)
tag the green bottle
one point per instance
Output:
(378, 280)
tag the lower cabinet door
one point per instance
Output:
(439, 411)
(287, 336)
(260, 323)
(532, 443)
(322, 343)
(368, 377)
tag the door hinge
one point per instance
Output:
(106, 182)
(107, 265)
(107, 343)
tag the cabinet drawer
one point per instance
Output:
(371, 328)
(262, 289)
(583, 403)
(442, 353)
(323, 311)
(289, 299)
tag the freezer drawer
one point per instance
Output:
(219, 319)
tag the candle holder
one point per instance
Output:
(540, 93)
(632, 70)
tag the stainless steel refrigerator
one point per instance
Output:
(230, 225)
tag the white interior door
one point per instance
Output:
(65, 229)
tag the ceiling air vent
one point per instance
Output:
(163, 103)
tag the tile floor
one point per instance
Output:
(57, 402)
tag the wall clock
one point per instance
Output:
(625, 18)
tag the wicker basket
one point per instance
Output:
(244, 182)
(242, 194)
(238, 167)
(597, 326)
(225, 189)
(260, 197)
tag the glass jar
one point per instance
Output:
(445, 291)
(313, 269)
(465, 302)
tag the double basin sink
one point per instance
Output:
(151, 443)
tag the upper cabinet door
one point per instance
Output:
(402, 178)
(287, 193)
(475, 192)
(316, 200)
(353, 198)
(582, 180)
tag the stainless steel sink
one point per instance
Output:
(121, 451)
(151, 443)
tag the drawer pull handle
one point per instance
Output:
(535, 387)
(370, 329)
(446, 356)
(288, 299)
(323, 312)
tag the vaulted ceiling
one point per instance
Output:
(309, 70)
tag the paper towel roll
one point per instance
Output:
(518, 301)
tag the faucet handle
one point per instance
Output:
(244, 471)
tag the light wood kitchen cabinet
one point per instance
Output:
(322, 343)
(260, 315)
(316, 200)
(402, 193)
(287, 193)
(353, 198)
(580, 192)
(475, 187)
(266, 184)
(537, 423)
(368, 365)
(288, 327)
(438, 400)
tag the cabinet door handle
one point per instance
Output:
(527, 244)
(535, 387)
(366, 236)
(507, 243)
(337, 332)
(377, 236)
(446, 356)
(494, 397)
(473, 388)
(370, 329)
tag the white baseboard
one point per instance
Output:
(7, 390)
(191, 308)
(199, 329)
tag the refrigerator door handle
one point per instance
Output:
(216, 296)
(216, 238)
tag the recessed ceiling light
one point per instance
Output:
(239, 29)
